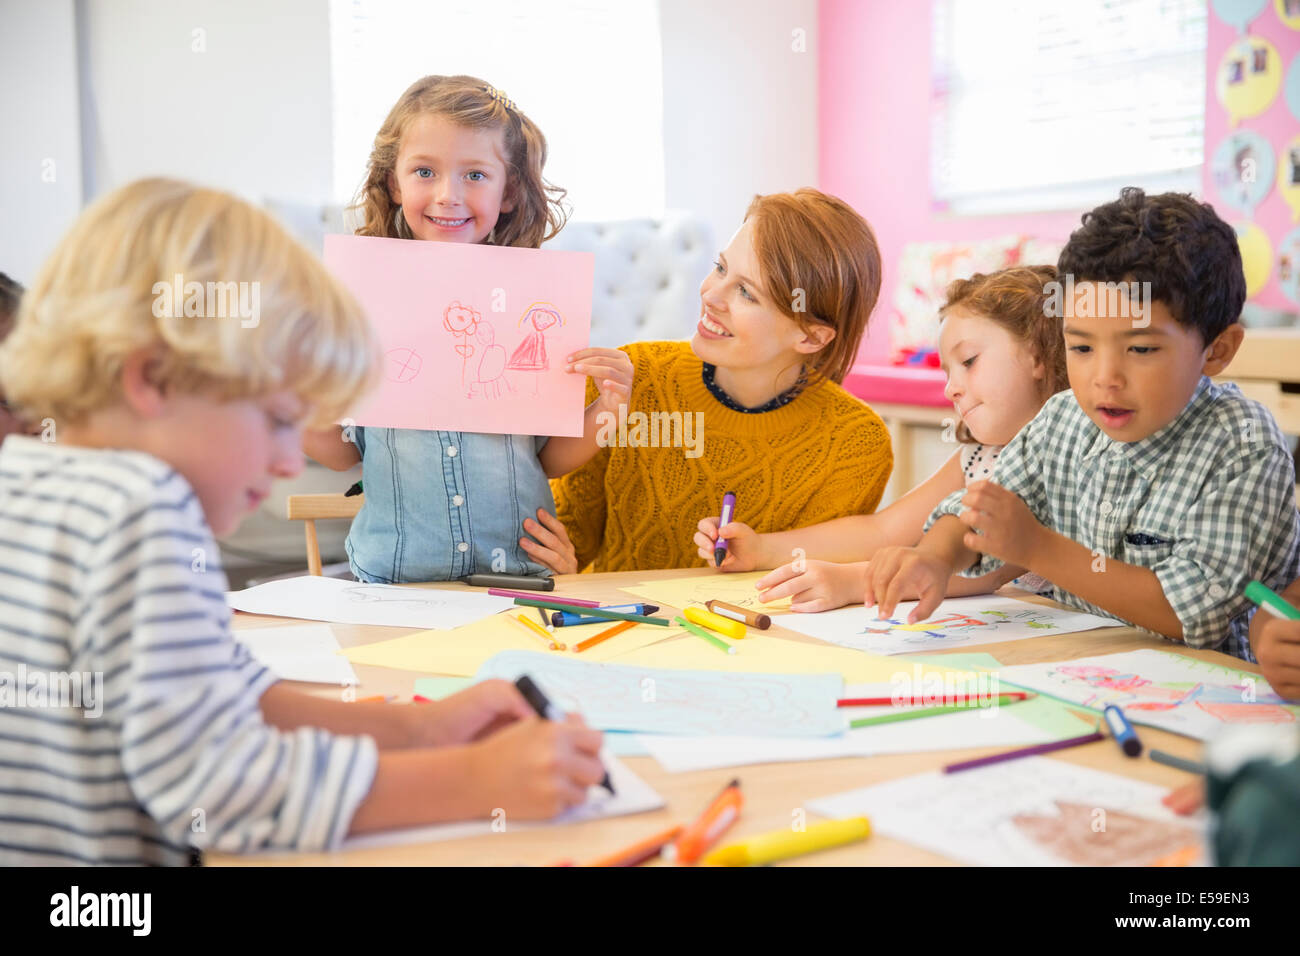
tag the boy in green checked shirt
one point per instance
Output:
(1145, 493)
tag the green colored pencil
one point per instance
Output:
(717, 642)
(593, 611)
(925, 712)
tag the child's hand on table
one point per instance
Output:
(744, 544)
(471, 714)
(818, 586)
(1187, 799)
(611, 370)
(1276, 645)
(904, 574)
(552, 549)
(536, 768)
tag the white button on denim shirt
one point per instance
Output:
(439, 504)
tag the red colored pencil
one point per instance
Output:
(928, 700)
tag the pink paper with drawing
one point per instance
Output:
(474, 337)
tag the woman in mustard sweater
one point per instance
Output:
(751, 404)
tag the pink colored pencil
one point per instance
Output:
(543, 596)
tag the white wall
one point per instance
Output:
(740, 105)
(40, 164)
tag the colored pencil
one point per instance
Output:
(923, 712)
(913, 701)
(1023, 752)
(717, 642)
(562, 603)
(604, 635)
(535, 631)
(639, 853)
(593, 611)
(1169, 760)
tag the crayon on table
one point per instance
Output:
(932, 700)
(562, 603)
(1179, 763)
(925, 712)
(535, 631)
(604, 635)
(728, 511)
(641, 852)
(742, 614)
(1023, 752)
(494, 580)
(784, 844)
(715, 622)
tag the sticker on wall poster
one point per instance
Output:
(1288, 176)
(1288, 265)
(1288, 11)
(1242, 169)
(1238, 13)
(1248, 79)
(1256, 255)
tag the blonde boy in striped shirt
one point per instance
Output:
(161, 429)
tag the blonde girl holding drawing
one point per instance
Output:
(456, 161)
(1004, 356)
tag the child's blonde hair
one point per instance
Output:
(96, 300)
(538, 212)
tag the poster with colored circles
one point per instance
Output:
(1243, 169)
(1288, 265)
(1249, 76)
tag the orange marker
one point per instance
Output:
(604, 635)
(537, 632)
(639, 853)
(716, 819)
(375, 699)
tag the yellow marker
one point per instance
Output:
(715, 622)
(783, 844)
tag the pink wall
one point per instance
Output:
(873, 121)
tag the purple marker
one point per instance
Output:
(728, 510)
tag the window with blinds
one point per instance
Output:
(588, 72)
(1056, 104)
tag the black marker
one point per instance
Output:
(547, 711)
(519, 581)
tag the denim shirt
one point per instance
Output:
(441, 505)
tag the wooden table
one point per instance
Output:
(773, 792)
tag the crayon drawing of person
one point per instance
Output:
(489, 378)
(530, 356)
(462, 322)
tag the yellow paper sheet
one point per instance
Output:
(735, 589)
(759, 653)
(460, 652)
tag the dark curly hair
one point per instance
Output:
(1179, 245)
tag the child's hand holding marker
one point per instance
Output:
(744, 544)
(610, 369)
(820, 586)
(534, 768)
(471, 714)
(1275, 636)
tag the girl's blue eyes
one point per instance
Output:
(717, 267)
(476, 175)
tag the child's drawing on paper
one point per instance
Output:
(388, 595)
(530, 355)
(462, 322)
(402, 365)
(1072, 835)
(489, 380)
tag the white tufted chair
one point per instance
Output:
(648, 274)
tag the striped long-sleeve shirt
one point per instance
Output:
(110, 586)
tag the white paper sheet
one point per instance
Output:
(308, 652)
(958, 623)
(353, 602)
(1030, 812)
(633, 795)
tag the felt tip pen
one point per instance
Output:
(1271, 601)
(716, 819)
(573, 619)
(556, 605)
(742, 614)
(701, 633)
(642, 852)
(546, 710)
(728, 511)
(783, 844)
(1122, 731)
(1169, 760)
